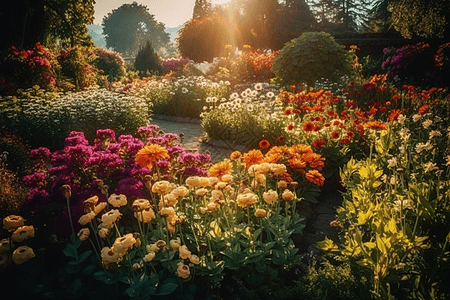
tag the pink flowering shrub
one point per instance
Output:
(110, 63)
(25, 68)
(174, 64)
(93, 169)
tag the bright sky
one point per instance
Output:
(170, 12)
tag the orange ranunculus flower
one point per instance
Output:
(264, 144)
(253, 157)
(376, 125)
(221, 168)
(315, 177)
(150, 154)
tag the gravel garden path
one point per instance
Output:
(319, 215)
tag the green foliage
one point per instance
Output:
(327, 279)
(310, 57)
(24, 23)
(110, 63)
(77, 66)
(203, 39)
(128, 26)
(147, 61)
(45, 119)
(423, 18)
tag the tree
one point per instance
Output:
(296, 19)
(424, 18)
(202, 9)
(147, 61)
(130, 25)
(325, 12)
(256, 21)
(26, 22)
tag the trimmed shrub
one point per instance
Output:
(110, 63)
(147, 61)
(311, 57)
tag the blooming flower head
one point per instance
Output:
(260, 213)
(110, 217)
(270, 196)
(287, 195)
(264, 144)
(183, 270)
(150, 154)
(244, 200)
(235, 155)
(12, 222)
(184, 252)
(22, 233)
(315, 177)
(140, 204)
(22, 254)
(221, 168)
(83, 234)
(123, 244)
(253, 157)
(145, 216)
(117, 200)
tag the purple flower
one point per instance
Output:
(34, 179)
(76, 138)
(163, 164)
(106, 134)
(149, 130)
(176, 149)
(36, 198)
(131, 187)
(195, 171)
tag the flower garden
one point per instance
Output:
(98, 201)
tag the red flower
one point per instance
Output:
(394, 114)
(345, 140)
(335, 134)
(264, 144)
(395, 97)
(308, 126)
(280, 139)
(319, 143)
(423, 109)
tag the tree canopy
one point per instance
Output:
(129, 26)
(26, 22)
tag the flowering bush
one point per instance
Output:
(161, 218)
(174, 64)
(250, 66)
(44, 119)
(110, 63)
(25, 68)
(77, 66)
(402, 63)
(177, 96)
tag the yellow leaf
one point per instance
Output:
(370, 245)
(380, 245)
(364, 172)
(391, 226)
(326, 245)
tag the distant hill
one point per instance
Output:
(173, 32)
(96, 32)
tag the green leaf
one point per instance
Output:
(71, 250)
(166, 289)
(84, 255)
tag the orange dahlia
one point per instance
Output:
(253, 157)
(221, 168)
(297, 163)
(317, 162)
(315, 177)
(150, 154)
